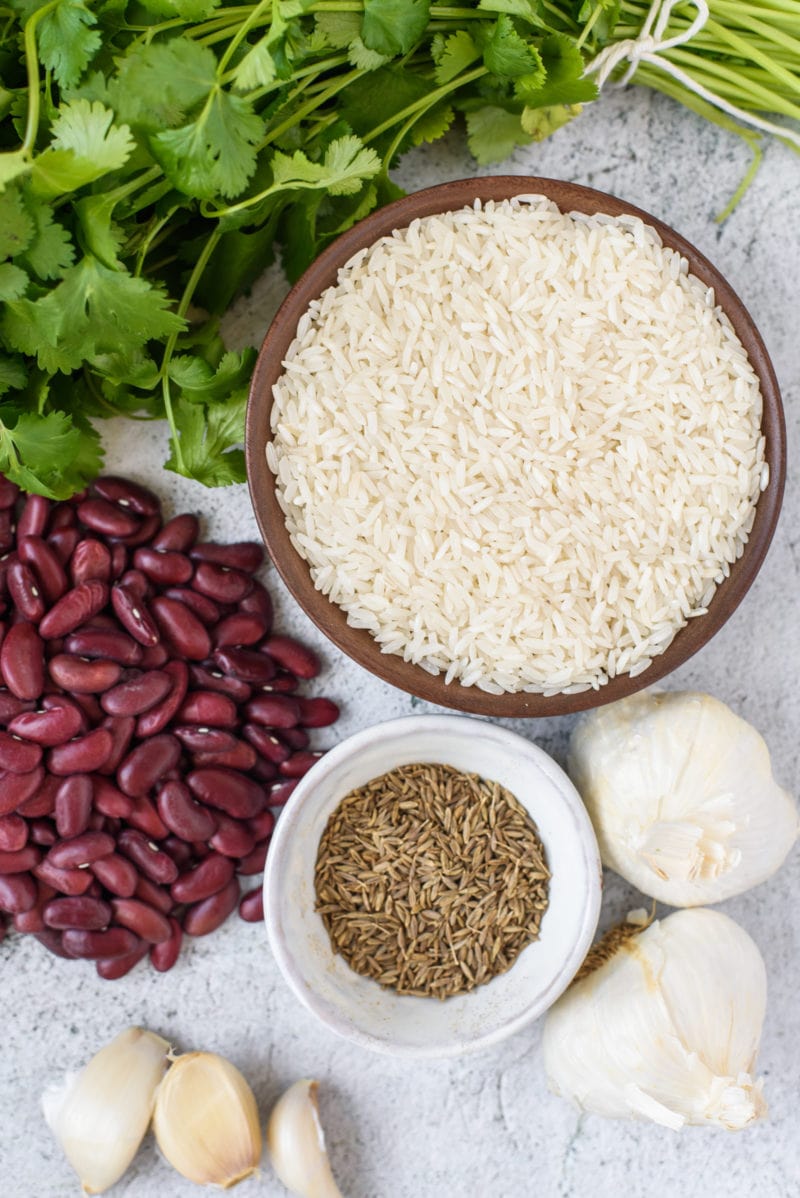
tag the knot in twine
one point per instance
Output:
(649, 46)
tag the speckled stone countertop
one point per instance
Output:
(485, 1126)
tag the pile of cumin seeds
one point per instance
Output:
(431, 881)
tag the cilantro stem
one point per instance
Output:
(316, 102)
(32, 69)
(242, 32)
(427, 101)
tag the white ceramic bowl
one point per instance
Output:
(358, 1008)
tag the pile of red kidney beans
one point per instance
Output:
(149, 725)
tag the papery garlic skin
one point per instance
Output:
(206, 1120)
(100, 1115)
(296, 1143)
(681, 795)
(668, 1029)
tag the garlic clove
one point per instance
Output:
(206, 1120)
(296, 1143)
(682, 798)
(667, 1029)
(100, 1115)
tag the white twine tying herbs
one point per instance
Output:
(649, 46)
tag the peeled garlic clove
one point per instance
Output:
(100, 1115)
(681, 795)
(667, 1029)
(296, 1143)
(206, 1120)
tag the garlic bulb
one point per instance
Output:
(206, 1120)
(296, 1143)
(100, 1115)
(682, 798)
(667, 1029)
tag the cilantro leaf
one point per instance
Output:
(85, 144)
(394, 26)
(209, 440)
(494, 134)
(157, 84)
(266, 60)
(457, 52)
(16, 225)
(338, 29)
(531, 11)
(13, 281)
(542, 122)
(347, 163)
(66, 40)
(101, 236)
(257, 68)
(47, 453)
(187, 10)
(564, 83)
(50, 252)
(13, 374)
(505, 53)
(433, 124)
(13, 163)
(92, 311)
(214, 154)
(202, 383)
(364, 58)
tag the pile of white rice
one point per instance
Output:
(518, 446)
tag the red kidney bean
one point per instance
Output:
(180, 852)
(101, 642)
(258, 603)
(269, 746)
(37, 554)
(15, 789)
(18, 893)
(32, 920)
(228, 790)
(109, 801)
(274, 711)
(119, 560)
(232, 838)
(317, 713)
(144, 816)
(206, 610)
(163, 566)
(33, 519)
(13, 833)
(209, 914)
(21, 861)
(42, 832)
(213, 680)
(117, 874)
(9, 492)
(136, 582)
(134, 616)
(63, 514)
(210, 876)
(122, 729)
(293, 656)
(163, 956)
(137, 694)
(146, 921)
(50, 701)
(22, 661)
(296, 738)
(154, 657)
(89, 706)
(6, 531)
(181, 628)
(81, 850)
(241, 757)
(65, 881)
(251, 908)
(11, 707)
(145, 532)
(113, 968)
(246, 664)
(83, 755)
(182, 814)
(52, 941)
(241, 628)
(74, 805)
(42, 800)
(197, 738)
(155, 895)
(83, 675)
(114, 942)
(74, 608)
(51, 727)
(283, 683)
(25, 592)
(179, 533)
(280, 792)
(299, 763)
(220, 583)
(246, 556)
(90, 562)
(155, 865)
(146, 764)
(17, 755)
(254, 862)
(262, 825)
(157, 718)
(82, 912)
(265, 771)
(63, 542)
(207, 708)
(127, 494)
(108, 518)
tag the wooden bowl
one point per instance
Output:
(331, 619)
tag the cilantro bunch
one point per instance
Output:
(154, 154)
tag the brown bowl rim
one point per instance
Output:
(357, 643)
